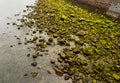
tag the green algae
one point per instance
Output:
(98, 38)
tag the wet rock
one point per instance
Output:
(117, 77)
(61, 54)
(55, 35)
(52, 61)
(99, 45)
(59, 72)
(76, 77)
(63, 17)
(34, 63)
(28, 55)
(49, 43)
(25, 74)
(88, 51)
(8, 23)
(34, 74)
(40, 30)
(38, 67)
(19, 43)
(83, 62)
(71, 71)
(43, 45)
(66, 77)
(62, 41)
(82, 33)
(13, 23)
(34, 55)
(34, 32)
(94, 81)
(11, 45)
(49, 72)
(76, 50)
(50, 39)
(35, 38)
(60, 60)
(40, 54)
(27, 33)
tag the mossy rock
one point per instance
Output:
(115, 76)
(63, 17)
(94, 81)
(72, 71)
(83, 62)
(34, 55)
(88, 51)
(98, 68)
(51, 39)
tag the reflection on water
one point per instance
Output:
(9, 7)
(14, 63)
(12, 67)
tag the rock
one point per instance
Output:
(34, 32)
(11, 45)
(117, 77)
(63, 17)
(8, 23)
(50, 39)
(19, 43)
(82, 33)
(76, 77)
(52, 61)
(59, 60)
(34, 55)
(43, 45)
(34, 74)
(49, 72)
(38, 67)
(34, 63)
(83, 62)
(59, 72)
(71, 71)
(28, 55)
(99, 45)
(27, 33)
(62, 55)
(35, 38)
(25, 74)
(88, 51)
(76, 50)
(66, 77)
(94, 81)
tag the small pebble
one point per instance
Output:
(25, 74)
(28, 55)
(52, 61)
(66, 77)
(11, 45)
(49, 72)
(34, 63)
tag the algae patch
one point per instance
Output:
(95, 54)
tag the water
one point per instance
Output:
(14, 63)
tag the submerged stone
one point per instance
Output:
(34, 63)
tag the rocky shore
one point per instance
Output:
(89, 42)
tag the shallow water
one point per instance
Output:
(13, 60)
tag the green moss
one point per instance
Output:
(98, 68)
(50, 39)
(64, 21)
(34, 55)
(71, 71)
(88, 51)
(117, 77)
(94, 81)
